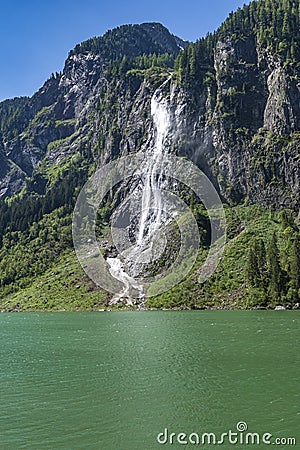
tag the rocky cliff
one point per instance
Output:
(232, 100)
(240, 123)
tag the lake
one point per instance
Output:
(115, 381)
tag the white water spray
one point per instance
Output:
(152, 207)
(152, 199)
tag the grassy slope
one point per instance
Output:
(65, 286)
(228, 287)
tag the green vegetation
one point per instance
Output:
(129, 40)
(39, 269)
(13, 118)
(62, 286)
(194, 65)
(273, 23)
(54, 144)
(260, 266)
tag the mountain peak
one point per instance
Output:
(132, 40)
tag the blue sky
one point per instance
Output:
(36, 35)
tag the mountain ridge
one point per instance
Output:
(234, 102)
(158, 37)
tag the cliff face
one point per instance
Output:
(256, 149)
(258, 157)
(241, 126)
(72, 109)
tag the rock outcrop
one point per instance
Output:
(242, 128)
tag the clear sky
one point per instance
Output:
(36, 35)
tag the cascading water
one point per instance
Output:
(154, 233)
(152, 199)
(152, 209)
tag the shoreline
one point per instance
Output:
(177, 309)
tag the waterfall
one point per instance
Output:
(152, 208)
(151, 193)
(116, 270)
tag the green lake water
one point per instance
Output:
(114, 381)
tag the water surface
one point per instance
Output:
(114, 381)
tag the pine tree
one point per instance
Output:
(256, 266)
(252, 267)
(275, 272)
(286, 26)
(192, 61)
(124, 66)
(295, 265)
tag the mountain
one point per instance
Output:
(29, 125)
(233, 99)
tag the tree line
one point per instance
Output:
(274, 272)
